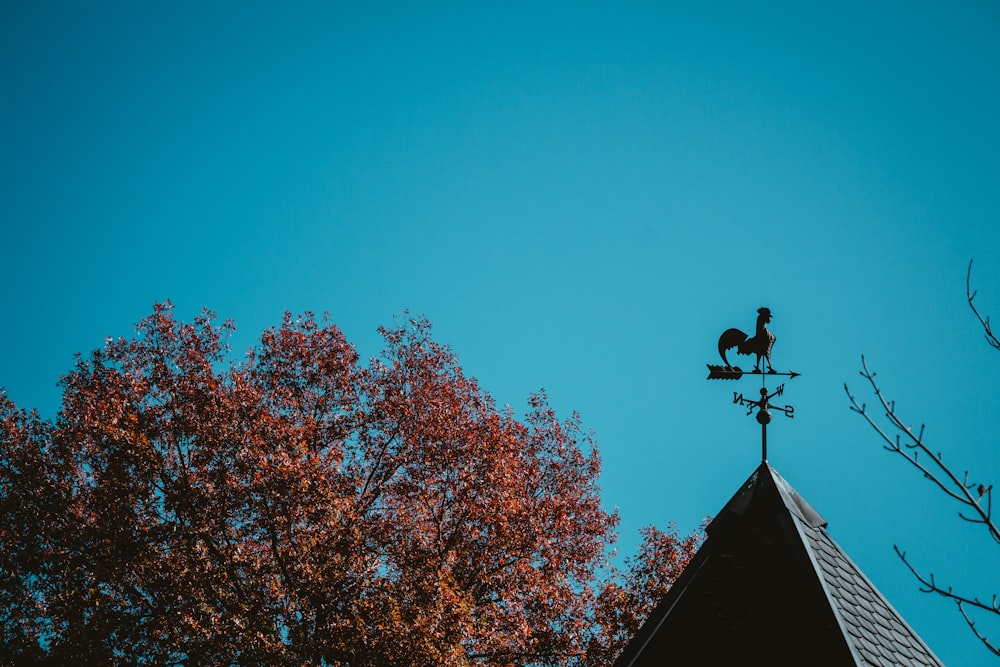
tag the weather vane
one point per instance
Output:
(760, 344)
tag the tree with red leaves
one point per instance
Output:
(300, 508)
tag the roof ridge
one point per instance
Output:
(800, 528)
(795, 503)
(855, 620)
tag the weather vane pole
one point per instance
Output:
(760, 344)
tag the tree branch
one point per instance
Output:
(980, 636)
(985, 321)
(376, 465)
(978, 498)
(929, 585)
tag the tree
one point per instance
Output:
(974, 497)
(628, 597)
(297, 507)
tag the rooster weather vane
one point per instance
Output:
(760, 344)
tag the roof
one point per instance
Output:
(770, 586)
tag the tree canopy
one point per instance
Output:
(296, 506)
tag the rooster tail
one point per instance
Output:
(729, 339)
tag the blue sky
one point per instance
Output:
(580, 196)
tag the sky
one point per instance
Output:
(580, 196)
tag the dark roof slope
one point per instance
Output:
(770, 586)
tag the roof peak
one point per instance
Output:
(767, 491)
(770, 586)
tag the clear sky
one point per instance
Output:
(580, 196)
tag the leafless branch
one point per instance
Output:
(929, 585)
(980, 636)
(977, 498)
(985, 321)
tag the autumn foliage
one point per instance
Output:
(297, 507)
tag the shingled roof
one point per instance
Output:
(770, 587)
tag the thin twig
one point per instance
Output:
(980, 636)
(985, 321)
(930, 586)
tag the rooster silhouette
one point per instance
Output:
(760, 344)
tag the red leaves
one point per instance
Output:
(299, 507)
(628, 597)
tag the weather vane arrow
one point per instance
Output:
(760, 344)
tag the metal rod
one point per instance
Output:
(763, 438)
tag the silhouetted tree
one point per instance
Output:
(975, 497)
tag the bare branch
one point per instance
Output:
(980, 636)
(929, 585)
(985, 321)
(977, 499)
